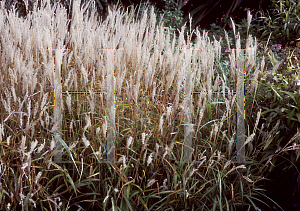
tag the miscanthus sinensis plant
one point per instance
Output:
(149, 104)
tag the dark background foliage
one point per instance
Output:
(267, 16)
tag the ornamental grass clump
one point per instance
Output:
(149, 107)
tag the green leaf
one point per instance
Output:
(298, 116)
(26, 200)
(70, 180)
(291, 95)
(67, 149)
(290, 116)
(127, 202)
(143, 203)
(275, 92)
(52, 179)
(298, 155)
(268, 143)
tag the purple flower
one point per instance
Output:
(185, 2)
(279, 46)
(169, 1)
(227, 50)
(174, 19)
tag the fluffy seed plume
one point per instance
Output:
(150, 158)
(38, 176)
(249, 139)
(150, 183)
(161, 122)
(85, 141)
(52, 144)
(33, 145)
(41, 147)
(129, 142)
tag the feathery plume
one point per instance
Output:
(33, 145)
(150, 158)
(150, 182)
(38, 176)
(85, 141)
(41, 147)
(129, 142)
(161, 122)
(52, 144)
(1, 132)
(250, 138)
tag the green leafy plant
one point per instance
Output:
(278, 97)
(171, 16)
(282, 21)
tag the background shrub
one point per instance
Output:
(281, 20)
